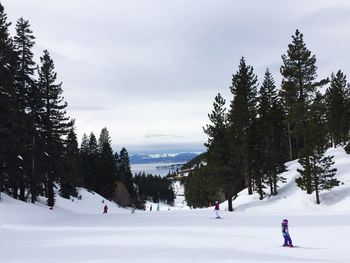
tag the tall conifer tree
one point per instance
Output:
(271, 132)
(28, 103)
(125, 172)
(337, 100)
(242, 115)
(70, 176)
(55, 123)
(298, 89)
(8, 105)
(107, 168)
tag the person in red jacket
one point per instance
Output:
(216, 209)
(105, 209)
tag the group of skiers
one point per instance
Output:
(284, 225)
(133, 207)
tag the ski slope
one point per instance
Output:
(77, 231)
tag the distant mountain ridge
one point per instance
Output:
(182, 157)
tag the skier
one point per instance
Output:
(133, 208)
(150, 208)
(285, 233)
(216, 209)
(105, 209)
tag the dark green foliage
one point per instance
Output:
(106, 174)
(125, 172)
(317, 173)
(242, 115)
(92, 159)
(38, 146)
(70, 176)
(199, 188)
(7, 100)
(319, 168)
(337, 101)
(154, 188)
(271, 136)
(55, 124)
(298, 89)
(195, 162)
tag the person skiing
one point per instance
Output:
(133, 208)
(285, 233)
(216, 209)
(150, 208)
(105, 209)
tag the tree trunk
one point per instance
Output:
(249, 184)
(290, 143)
(316, 190)
(270, 182)
(274, 183)
(32, 181)
(229, 201)
(308, 177)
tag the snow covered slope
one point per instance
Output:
(291, 198)
(77, 231)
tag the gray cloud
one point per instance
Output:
(154, 67)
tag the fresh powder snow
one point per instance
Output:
(78, 231)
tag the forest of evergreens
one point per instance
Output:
(266, 125)
(39, 151)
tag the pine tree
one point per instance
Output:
(242, 115)
(25, 87)
(316, 174)
(337, 96)
(319, 168)
(55, 124)
(93, 162)
(271, 134)
(298, 89)
(8, 107)
(70, 177)
(107, 173)
(217, 157)
(125, 172)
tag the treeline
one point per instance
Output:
(154, 188)
(264, 127)
(38, 146)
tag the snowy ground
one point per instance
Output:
(77, 231)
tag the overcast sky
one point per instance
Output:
(149, 70)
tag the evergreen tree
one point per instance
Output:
(125, 172)
(242, 115)
(217, 157)
(106, 175)
(316, 167)
(298, 89)
(84, 163)
(337, 97)
(70, 177)
(8, 107)
(55, 124)
(271, 134)
(199, 190)
(28, 102)
(93, 160)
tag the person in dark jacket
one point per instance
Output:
(105, 209)
(285, 233)
(216, 209)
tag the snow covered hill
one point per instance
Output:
(291, 198)
(77, 231)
